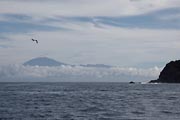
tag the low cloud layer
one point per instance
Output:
(22, 73)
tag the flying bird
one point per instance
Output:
(35, 40)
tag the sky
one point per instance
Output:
(127, 33)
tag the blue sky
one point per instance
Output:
(120, 33)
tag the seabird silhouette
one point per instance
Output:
(34, 40)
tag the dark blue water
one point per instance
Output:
(89, 101)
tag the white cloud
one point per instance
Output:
(84, 7)
(90, 44)
(77, 73)
(172, 17)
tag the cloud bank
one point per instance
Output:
(20, 73)
(85, 7)
(114, 32)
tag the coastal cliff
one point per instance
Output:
(170, 73)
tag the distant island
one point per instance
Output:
(170, 73)
(45, 61)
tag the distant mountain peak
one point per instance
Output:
(43, 61)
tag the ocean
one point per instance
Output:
(89, 101)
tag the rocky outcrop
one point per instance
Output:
(131, 82)
(170, 73)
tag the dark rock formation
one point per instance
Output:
(131, 82)
(170, 73)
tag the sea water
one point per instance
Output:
(89, 101)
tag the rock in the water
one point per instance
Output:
(131, 82)
(170, 73)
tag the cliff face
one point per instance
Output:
(170, 73)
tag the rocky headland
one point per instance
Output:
(170, 73)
